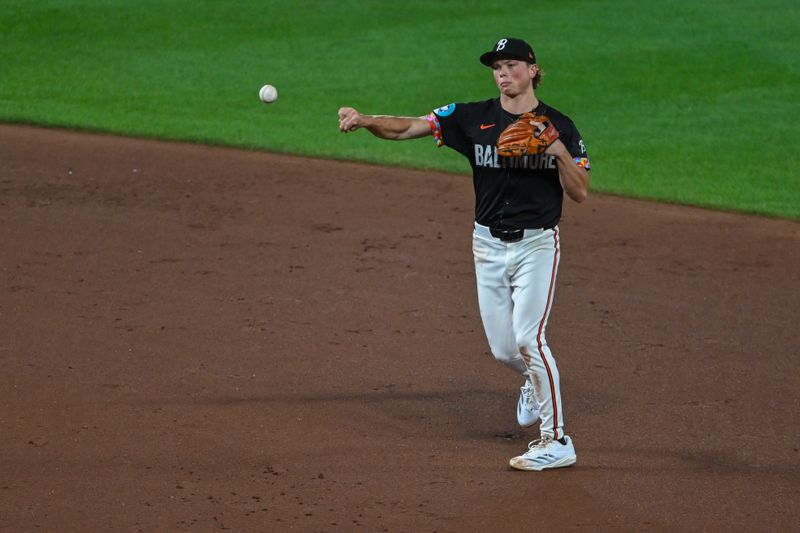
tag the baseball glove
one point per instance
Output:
(524, 138)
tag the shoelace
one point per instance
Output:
(538, 444)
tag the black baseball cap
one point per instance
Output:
(509, 48)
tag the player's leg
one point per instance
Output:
(533, 282)
(494, 300)
(496, 306)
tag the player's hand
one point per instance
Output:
(349, 119)
(556, 147)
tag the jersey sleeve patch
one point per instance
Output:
(583, 162)
(436, 128)
(445, 111)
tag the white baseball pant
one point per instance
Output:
(516, 284)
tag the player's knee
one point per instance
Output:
(530, 340)
(505, 356)
(532, 351)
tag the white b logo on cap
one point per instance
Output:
(501, 44)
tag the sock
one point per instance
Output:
(563, 440)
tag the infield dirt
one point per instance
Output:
(199, 338)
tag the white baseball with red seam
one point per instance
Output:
(268, 94)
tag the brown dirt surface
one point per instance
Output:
(199, 338)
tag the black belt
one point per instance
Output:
(507, 235)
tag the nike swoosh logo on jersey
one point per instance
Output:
(487, 126)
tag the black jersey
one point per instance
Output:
(510, 192)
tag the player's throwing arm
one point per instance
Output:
(383, 126)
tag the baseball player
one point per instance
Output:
(524, 155)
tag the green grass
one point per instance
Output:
(678, 100)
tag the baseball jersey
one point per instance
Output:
(510, 192)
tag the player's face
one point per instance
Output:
(512, 76)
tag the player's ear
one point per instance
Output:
(533, 69)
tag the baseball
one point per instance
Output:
(268, 94)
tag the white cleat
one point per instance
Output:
(546, 453)
(527, 406)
